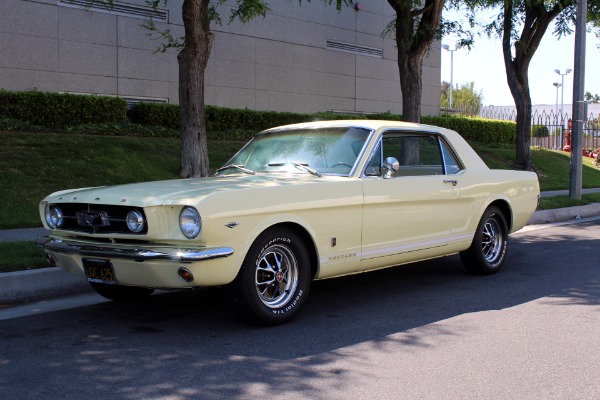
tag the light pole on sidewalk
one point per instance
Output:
(562, 96)
(447, 47)
(557, 84)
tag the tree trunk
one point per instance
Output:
(411, 67)
(193, 59)
(416, 26)
(415, 30)
(535, 24)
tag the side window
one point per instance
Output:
(452, 164)
(417, 154)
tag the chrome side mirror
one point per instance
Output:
(390, 165)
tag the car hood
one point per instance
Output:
(173, 192)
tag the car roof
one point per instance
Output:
(363, 123)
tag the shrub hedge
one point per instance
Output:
(540, 131)
(60, 110)
(243, 123)
(109, 116)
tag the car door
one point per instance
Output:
(416, 211)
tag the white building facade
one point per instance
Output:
(299, 58)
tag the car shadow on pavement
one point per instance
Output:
(189, 343)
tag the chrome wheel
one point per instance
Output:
(276, 276)
(488, 249)
(274, 281)
(492, 239)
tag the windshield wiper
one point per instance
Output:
(237, 166)
(302, 166)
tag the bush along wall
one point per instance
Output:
(108, 115)
(473, 129)
(241, 124)
(61, 110)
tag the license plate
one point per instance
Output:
(99, 271)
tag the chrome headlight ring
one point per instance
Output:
(135, 221)
(190, 222)
(54, 216)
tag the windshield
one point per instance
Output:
(315, 151)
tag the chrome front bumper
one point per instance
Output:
(132, 253)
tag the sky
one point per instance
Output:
(484, 65)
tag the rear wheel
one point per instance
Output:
(274, 280)
(488, 250)
(121, 293)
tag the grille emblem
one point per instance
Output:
(94, 219)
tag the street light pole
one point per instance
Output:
(557, 84)
(575, 175)
(562, 96)
(446, 47)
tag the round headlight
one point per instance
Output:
(54, 216)
(135, 221)
(190, 222)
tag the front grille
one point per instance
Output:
(98, 218)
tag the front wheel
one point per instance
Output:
(121, 293)
(488, 250)
(274, 280)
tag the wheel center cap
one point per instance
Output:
(279, 276)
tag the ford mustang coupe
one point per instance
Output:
(297, 203)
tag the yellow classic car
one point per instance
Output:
(297, 203)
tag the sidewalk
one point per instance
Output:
(22, 286)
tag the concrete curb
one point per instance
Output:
(564, 214)
(26, 285)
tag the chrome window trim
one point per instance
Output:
(459, 162)
(437, 135)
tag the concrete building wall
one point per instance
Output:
(284, 62)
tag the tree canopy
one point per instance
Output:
(465, 99)
(521, 24)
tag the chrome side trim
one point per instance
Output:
(132, 253)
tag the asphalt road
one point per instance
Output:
(423, 331)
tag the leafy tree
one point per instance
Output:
(521, 24)
(591, 98)
(465, 98)
(195, 48)
(416, 25)
(540, 131)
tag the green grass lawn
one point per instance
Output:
(33, 165)
(17, 256)
(552, 166)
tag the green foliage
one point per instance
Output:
(123, 129)
(241, 124)
(19, 256)
(592, 98)
(16, 125)
(540, 131)
(464, 98)
(58, 111)
(217, 118)
(162, 120)
(33, 165)
(473, 129)
(155, 114)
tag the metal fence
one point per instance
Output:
(550, 129)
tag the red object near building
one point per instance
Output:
(568, 136)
